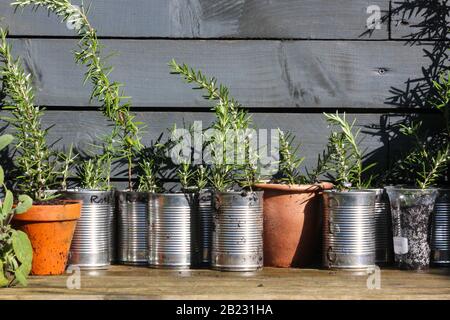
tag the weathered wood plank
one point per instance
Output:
(420, 20)
(82, 129)
(260, 74)
(123, 282)
(281, 19)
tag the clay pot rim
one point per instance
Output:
(303, 188)
(69, 211)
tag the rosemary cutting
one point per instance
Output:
(442, 103)
(231, 121)
(345, 157)
(442, 100)
(289, 162)
(185, 171)
(114, 104)
(38, 167)
(425, 163)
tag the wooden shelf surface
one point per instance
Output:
(124, 282)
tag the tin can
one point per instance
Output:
(132, 227)
(349, 229)
(237, 243)
(90, 248)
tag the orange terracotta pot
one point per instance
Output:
(292, 224)
(50, 229)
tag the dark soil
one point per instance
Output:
(413, 224)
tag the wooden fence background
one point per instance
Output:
(286, 60)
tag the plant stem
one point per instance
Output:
(106, 92)
(37, 165)
(230, 118)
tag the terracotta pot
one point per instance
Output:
(292, 224)
(50, 229)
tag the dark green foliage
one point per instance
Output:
(15, 248)
(114, 104)
(231, 121)
(289, 162)
(425, 162)
(345, 158)
(38, 167)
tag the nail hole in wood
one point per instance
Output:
(382, 71)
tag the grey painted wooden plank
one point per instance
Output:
(415, 23)
(84, 128)
(420, 20)
(274, 74)
(309, 19)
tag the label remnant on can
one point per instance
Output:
(400, 245)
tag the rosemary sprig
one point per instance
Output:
(346, 159)
(148, 180)
(93, 170)
(427, 161)
(321, 168)
(186, 175)
(94, 173)
(201, 177)
(153, 160)
(229, 113)
(442, 103)
(248, 173)
(428, 177)
(38, 167)
(442, 100)
(68, 161)
(289, 162)
(423, 164)
(231, 120)
(114, 104)
(185, 170)
(221, 170)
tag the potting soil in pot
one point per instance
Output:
(410, 222)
